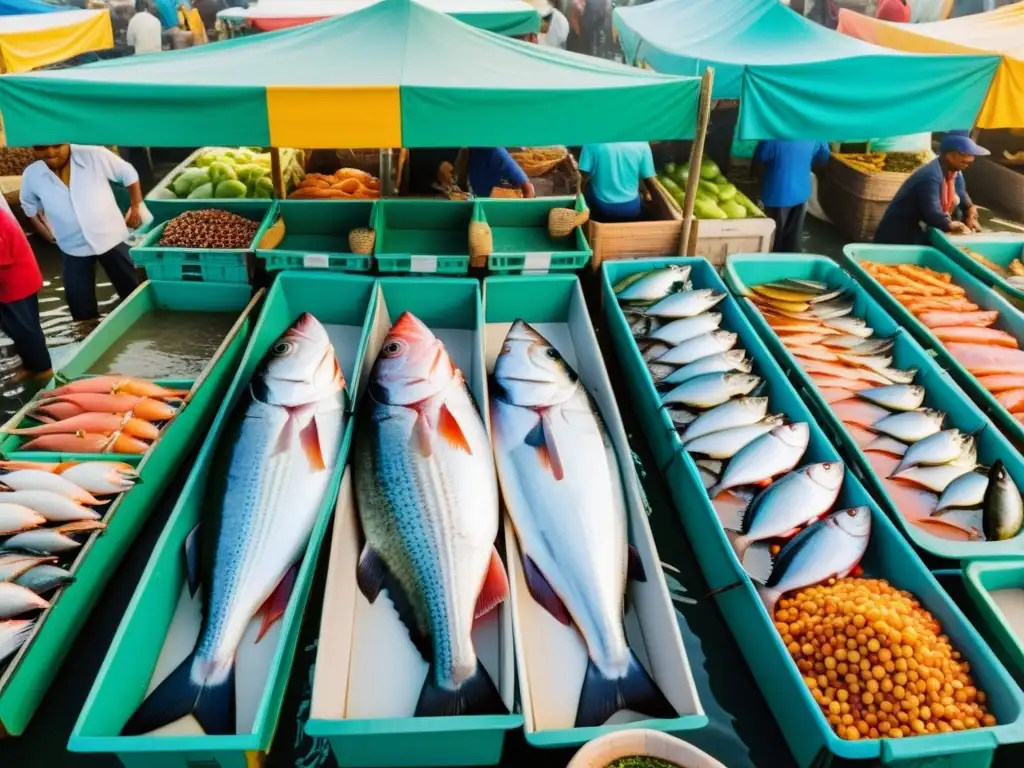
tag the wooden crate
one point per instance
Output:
(639, 239)
(715, 239)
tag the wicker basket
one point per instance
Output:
(362, 240)
(536, 161)
(562, 221)
(855, 201)
(868, 186)
(481, 243)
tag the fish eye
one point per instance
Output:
(826, 466)
(506, 348)
(552, 353)
(282, 348)
(851, 512)
(393, 348)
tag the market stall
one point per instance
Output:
(37, 39)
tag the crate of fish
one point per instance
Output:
(932, 459)
(584, 652)
(318, 234)
(423, 236)
(522, 239)
(197, 670)
(995, 259)
(86, 532)
(996, 590)
(376, 699)
(974, 333)
(797, 553)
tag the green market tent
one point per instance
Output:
(394, 74)
(798, 80)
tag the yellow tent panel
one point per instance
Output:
(36, 40)
(997, 32)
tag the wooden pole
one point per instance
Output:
(696, 156)
(277, 172)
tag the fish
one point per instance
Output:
(869, 346)
(143, 407)
(783, 295)
(896, 376)
(15, 600)
(835, 394)
(269, 477)
(934, 319)
(997, 383)
(1002, 507)
(37, 480)
(15, 518)
(811, 286)
(707, 477)
(721, 362)
(877, 363)
(941, 448)
(725, 444)
(13, 635)
(660, 372)
(640, 325)
(1012, 399)
(829, 548)
(845, 372)
(974, 335)
(831, 310)
(853, 326)
(98, 423)
(790, 502)
(710, 343)
(855, 385)
(987, 360)
(966, 492)
(563, 488)
(735, 413)
(814, 353)
(13, 564)
(115, 385)
(911, 426)
(765, 457)
(687, 328)
(102, 477)
(44, 578)
(654, 285)
(87, 442)
(685, 303)
(711, 389)
(54, 507)
(887, 444)
(58, 410)
(680, 417)
(650, 351)
(859, 413)
(935, 479)
(52, 541)
(895, 397)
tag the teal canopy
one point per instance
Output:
(798, 80)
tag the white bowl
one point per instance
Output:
(606, 749)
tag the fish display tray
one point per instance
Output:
(999, 249)
(1010, 319)
(551, 658)
(807, 732)
(980, 580)
(942, 393)
(522, 243)
(316, 235)
(161, 622)
(423, 236)
(30, 672)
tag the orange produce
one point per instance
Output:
(100, 423)
(143, 407)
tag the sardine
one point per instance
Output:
(735, 413)
(766, 457)
(15, 600)
(13, 635)
(1002, 507)
(911, 426)
(711, 389)
(687, 328)
(966, 492)
(44, 578)
(653, 285)
(895, 397)
(641, 325)
(725, 444)
(940, 448)
(686, 304)
(721, 362)
(15, 518)
(710, 343)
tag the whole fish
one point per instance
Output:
(830, 310)
(941, 448)
(15, 600)
(790, 502)
(685, 303)
(876, 363)
(13, 635)
(911, 426)
(654, 285)
(829, 548)
(15, 518)
(735, 413)
(869, 346)
(765, 457)
(935, 479)
(854, 326)
(44, 578)
(895, 397)
(102, 477)
(428, 501)
(725, 444)
(270, 475)
(721, 362)
(652, 350)
(37, 480)
(897, 376)
(52, 541)
(710, 343)
(886, 444)
(680, 417)
(687, 328)
(13, 564)
(711, 389)
(563, 488)
(640, 325)
(966, 492)
(659, 372)
(1002, 508)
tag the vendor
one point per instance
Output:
(611, 178)
(554, 27)
(67, 196)
(145, 34)
(893, 10)
(20, 283)
(488, 167)
(935, 195)
(785, 171)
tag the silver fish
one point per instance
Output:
(53, 541)
(935, 479)
(790, 502)
(707, 477)
(1002, 508)
(650, 351)
(102, 477)
(38, 480)
(877, 363)
(54, 507)
(725, 444)
(886, 444)
(660, 372)
(832, 309)
(563, 488)
(813, 286)
(941, 448)
(15, 518)
(714, 466)
(851, 342)
(897, 376)
(827, 296)
(911, 426)
(869, 346)
(687, 328)
(681, 417)
(735, 413)
(271, 473)
(686, 304)
(44, 578)
(766, 457)
(13, 564)
(853, 326)
(966, 492)
(13, 635)
(967, 521)
(710, 343)
(721, 362)
(653, 285)
(829, 548)
(895, 397)
(15, 600)
(711, 389)
(641, 325)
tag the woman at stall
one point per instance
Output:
(20, 283)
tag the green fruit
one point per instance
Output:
(705, 209)
(726, 192)
(266, 184)
(751, 208)
(205, 160)
(670, 186)
(189, 179)
(262, 194)
(202, 192)
(709, 169)
(221, 171)
(251, 172)
(708, 188)
(733, 210)
(670, 169)
(230, 189)
(162, 193)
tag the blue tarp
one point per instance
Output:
(798, 80)
(20, 7)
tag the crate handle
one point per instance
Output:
(904, 753)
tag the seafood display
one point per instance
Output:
(1013, 273)
(563, 488)
(427, 494)
(270, 475)
(928, 467)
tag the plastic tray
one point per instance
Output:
(942, 392)
(1010, 319)
(519, 229)
(805, 729)
(999, 249)
(981, 579)
(423, 236)
(316, 235)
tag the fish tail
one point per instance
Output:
(602, 696)
(477, 695)
(212, 704)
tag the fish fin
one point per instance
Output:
(373, 576)
(448, 427)
(213, 706)
(477, 695)
(193, 558)
(542, 438)
(275, 605)
(635, 566)
(370, 573)
(421, 436)
(543, 593)
(495, 588)
(309, 439)
(601, 697)
(758, 561)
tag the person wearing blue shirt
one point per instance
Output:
(786, 186)
(611, 179)
(935, 195)
(488, 166)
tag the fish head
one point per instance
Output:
(916, 390)
(738, 359)
(828, 474)
(725, 338)
(530, 372)
(856, 521)
(412, 365)
(755, 404)
(793, 435)
(301, 366)
(741, 382)
(774, 419)
(997, 474)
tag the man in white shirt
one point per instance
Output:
(145, 33)
(554, 27)
(67, 196)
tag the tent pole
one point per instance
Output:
(696, 156)
(277, 173)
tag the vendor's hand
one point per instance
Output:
(959, 228)
(529, 191)
(973, 223)
(133, 219)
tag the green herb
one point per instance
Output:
(641, 761)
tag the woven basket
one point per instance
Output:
(481, 243)
(880, 186)
(362, 240)
(537, 162)
(562, 221)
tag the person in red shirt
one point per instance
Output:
(20, 283)
(893, 10)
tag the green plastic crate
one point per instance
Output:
(999, 249)
(1010, 319)
(522, 243)
(807, 732)
(942, 393)
(428, 236)
(316, 235)
(981, 579)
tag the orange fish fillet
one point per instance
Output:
(835, 394)
(975, 335)
(99, 423)
(1012, 400)
(854, 385)
(860, 413)
(984, 361)
(958, 319)
(1000, 382)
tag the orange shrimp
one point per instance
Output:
(143, 407)
(58, 410)
(117, 385)
(99, 423)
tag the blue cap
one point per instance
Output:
(960, 141)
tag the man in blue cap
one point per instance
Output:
(935, 195)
